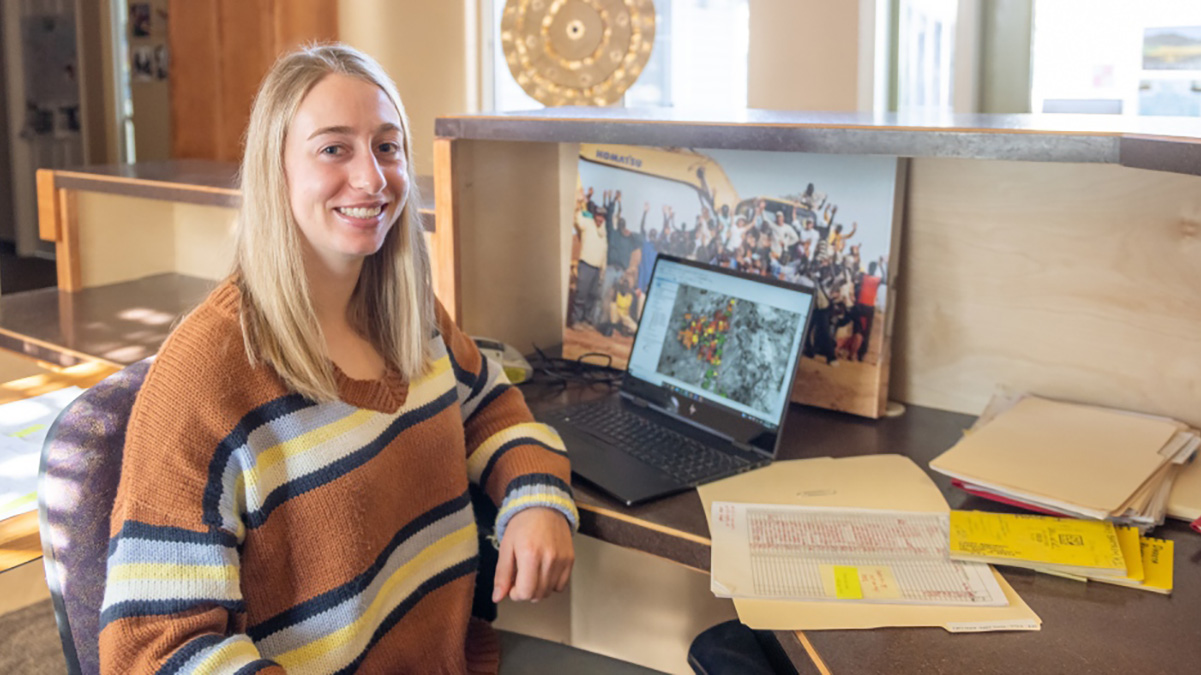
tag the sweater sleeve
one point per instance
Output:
(172, 598)
(520, 463)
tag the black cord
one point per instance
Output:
(580, 370)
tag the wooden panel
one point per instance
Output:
(194, 46)
(48, 216)
(444, 242)
(301, 21)
(66, 250)
(122, 238)
(247, 36)
(203, 240)
(1069, 280)
(507, 213)
(19, 541)
(23, 586)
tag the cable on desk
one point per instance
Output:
(580, 370)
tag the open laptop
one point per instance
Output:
(706, 389)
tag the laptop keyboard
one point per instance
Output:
(680, 456)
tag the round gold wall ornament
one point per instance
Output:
(577, 52)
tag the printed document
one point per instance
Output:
(23, 427)
(813, 553)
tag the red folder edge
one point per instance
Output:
(1021, 504)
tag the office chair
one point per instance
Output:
(77, 483)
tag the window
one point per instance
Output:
(1116, 56)
(699, 59)
(925, 51)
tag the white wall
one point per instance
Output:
(804, 55)
(425, 47)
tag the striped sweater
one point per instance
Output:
(256, 531)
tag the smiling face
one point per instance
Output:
(345, 165)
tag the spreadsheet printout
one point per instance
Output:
(813, 553)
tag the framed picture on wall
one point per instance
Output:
(826, 222)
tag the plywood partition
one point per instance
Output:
(444, 243)
(1078, 281)
(125, 238)
(506, 215)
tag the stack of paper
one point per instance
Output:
(1149, 561)
(1073, 460)
(23, 427)
(813, 553)
(1078, 549)
(884, 482)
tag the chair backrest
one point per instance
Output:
(77, 483)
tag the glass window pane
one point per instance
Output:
(699, 58)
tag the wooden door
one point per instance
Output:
(220, 51)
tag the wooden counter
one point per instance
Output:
(124, 222)
(1162, 144)
(1051, 254)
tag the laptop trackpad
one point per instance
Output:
(617, 473)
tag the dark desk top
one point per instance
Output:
(1087, 628)
(192, 181)
(1164, 144)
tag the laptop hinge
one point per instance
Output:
(636, 400)
(746, 447)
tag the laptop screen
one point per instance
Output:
(726, 340)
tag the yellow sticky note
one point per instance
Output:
(846, 583)
(29, 430)
(877, 582)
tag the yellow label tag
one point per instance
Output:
(846, 583)
(28, 430)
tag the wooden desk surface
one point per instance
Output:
(19, 542)
(1087, 628)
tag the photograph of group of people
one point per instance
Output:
(823, 222)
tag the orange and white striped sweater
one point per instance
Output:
(256, 531)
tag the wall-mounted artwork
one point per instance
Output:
(827, 222)
(1174, 48)
(139, 19)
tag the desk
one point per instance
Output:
(119, 323)
(113, 223)
(19, 542)
(1087, 628)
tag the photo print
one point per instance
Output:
(139, 19)
(823, 222)
(142, 63)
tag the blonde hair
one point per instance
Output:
(392, 304)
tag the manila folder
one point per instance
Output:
(888, 482)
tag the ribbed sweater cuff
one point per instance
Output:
(547, 495)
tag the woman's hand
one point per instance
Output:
(536, 556)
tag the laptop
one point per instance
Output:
(706, 389)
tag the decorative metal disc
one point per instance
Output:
(577, 52)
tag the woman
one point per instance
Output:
(294, 490)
